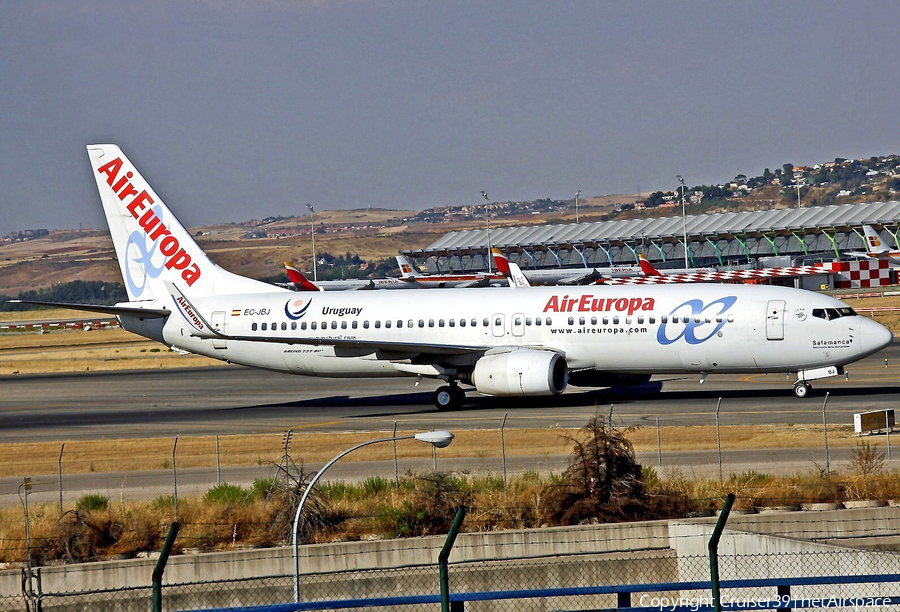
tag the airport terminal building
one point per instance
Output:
(782, 237)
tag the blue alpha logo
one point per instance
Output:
(694, 321)
(296, 310)
(143, 260)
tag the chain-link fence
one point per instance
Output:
(811, 575)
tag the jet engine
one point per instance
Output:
(521, 372)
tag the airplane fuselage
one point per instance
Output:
(636, 330)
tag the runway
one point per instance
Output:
(243, 400)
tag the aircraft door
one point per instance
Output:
(775, 320)
(498, 324)
(218, 323)
(518, 324)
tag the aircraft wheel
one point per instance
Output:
(802, 389)
(449, 397)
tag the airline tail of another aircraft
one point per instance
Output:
(299, 279)
(151, 245)
(647, 268)
(407, 269)
(510, 270)
(874, 244)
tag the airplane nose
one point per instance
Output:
(873, 336)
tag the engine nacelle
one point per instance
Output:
(521, 372)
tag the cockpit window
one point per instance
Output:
(830, 314)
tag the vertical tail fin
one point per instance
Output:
(151, 245)
(407, 270)
(299, 279)
(647, 268)
(874, 244)
(510, 270)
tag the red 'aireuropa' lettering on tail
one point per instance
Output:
(139, 207)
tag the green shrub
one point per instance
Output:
(229, 494)
(92, 502)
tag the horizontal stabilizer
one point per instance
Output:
(134, 311)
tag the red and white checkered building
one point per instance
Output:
(861, 274)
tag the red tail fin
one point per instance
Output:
(501, 262)
(300, 282)
(646, 268)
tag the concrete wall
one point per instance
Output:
(656, 551)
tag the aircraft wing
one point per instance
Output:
(484, 281)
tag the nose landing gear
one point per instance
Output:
(802, 389)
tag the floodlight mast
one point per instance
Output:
(684, 222)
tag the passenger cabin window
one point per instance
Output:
(253, 327)
(430, 322)
(548, 321)
(421, 322)
(440, 322)
(293, 326)
(537, 320)
(343, 325)
(265, 326)
(462, 322)
(334, 325)
(303, 326)
(355, 324)
(387, 324)
(571, 320)
(365, 325)
(485, 322)
(314, 325)
(378, 324)
(452, 322)
(284, 326)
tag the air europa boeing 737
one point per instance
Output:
(518, 342)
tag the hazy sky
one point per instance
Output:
(241, 109)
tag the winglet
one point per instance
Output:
(299, 280)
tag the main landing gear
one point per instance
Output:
(449, 397)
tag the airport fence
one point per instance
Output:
(162, 468)
(842, 579)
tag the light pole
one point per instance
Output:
(577, 193)
(487, 216)
(798, 195)
(683, 222)
(312, 232)
(438, 439)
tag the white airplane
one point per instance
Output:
(524, 342)
(299, 282)
(876, 248)
(411, 274)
